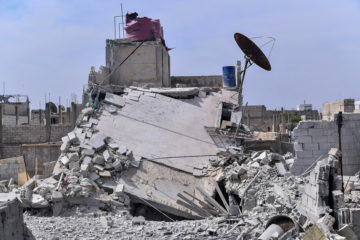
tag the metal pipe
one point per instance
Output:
(122, 21)
(115, 26)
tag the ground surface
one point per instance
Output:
(105, 225)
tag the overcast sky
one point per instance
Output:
(48, 46)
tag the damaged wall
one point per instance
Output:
(197, 81)
(11, 218)
(13, 136)
(315, 138)
(150, 64)
(43, 152)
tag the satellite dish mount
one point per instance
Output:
(253, 54)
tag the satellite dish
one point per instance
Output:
(252, 51)
(53, 108)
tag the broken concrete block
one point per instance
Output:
(87, 111)
(64, 146)
(72, 137)
(122, 150)
(84, 168)
(117, 165)
(99, 167)
(88, 152)
(94, 176)
(97, 141)
(334, 152)
(140, 220)
(56, 196)
(114, 100)
(113, 145)
(280, 167)
(74, 165)
(104, 173)
(64, 160)
(37, 201)
(85, 125)
(108, 156)
(119, 189)
(98, 159)
(338, 198)
(73, 157)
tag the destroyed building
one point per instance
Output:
(149, 156)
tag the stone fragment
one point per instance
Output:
(122, 150)
(98, 159)
(99, 167)
(97, 141)
(139, 220)
(87, 160)
(114, 100)
(94, 176)
(74, 165)
(88, 152)
(119, 189)
(108, 156)
(105, 174)
(73, 156)
(64, 160)
(56, 196)
(87, 111)
(117, 165)
(37, 201)
(113, 146)
(72, 137)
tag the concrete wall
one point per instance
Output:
(343, 105)
(150, 64)
(11, 219)
(269, 120)
(314, 138)
(197, 81)
(10, 167)
(44, 153)
(13, 137)
(9, 108)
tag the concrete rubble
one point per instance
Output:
(135, 168)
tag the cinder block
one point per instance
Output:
(316, 132)
(304, 139)
(300, 132)
(298, 146)
(333, 139)
(303, 154)
(326, 146)
(320, 139)
(306, 124)
(310, 146)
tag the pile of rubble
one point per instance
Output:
(236, 193)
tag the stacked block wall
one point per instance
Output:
(315, 138)
(11, 220)
(14, 136)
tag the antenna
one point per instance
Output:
(122, 21)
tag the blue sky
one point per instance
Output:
(49, 46)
